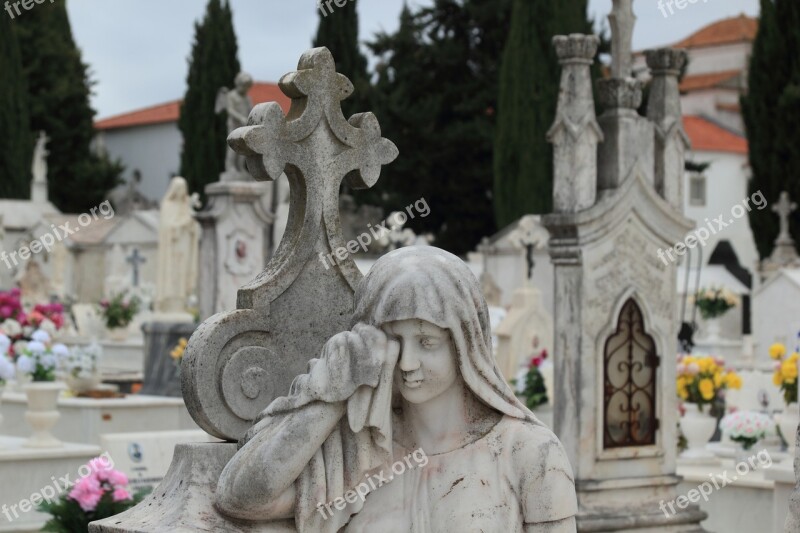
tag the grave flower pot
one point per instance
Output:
(118, 334)
(43, 413)
(82, 384)
(788, 421)
(698, 428)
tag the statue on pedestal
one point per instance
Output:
(237, 105)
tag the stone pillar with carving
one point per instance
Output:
(238, 361)
(664, 111)
(575, 132)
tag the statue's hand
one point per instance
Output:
(365, 346)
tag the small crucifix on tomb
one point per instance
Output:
(784, 209)
(525, 237)
(135, 259)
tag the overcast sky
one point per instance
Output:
(137, 49)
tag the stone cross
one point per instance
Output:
(784, 209)
(237, 362)
(526, 237)
(622, 21)
(135, 260)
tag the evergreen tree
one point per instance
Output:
(16, 143)
(770, 111)
(213, 65)
(338, 31)
(436, 97)
(58, 95)
(523, 159)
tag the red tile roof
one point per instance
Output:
(727, 31)
(707, 136)
(169, 112)
(698, 82)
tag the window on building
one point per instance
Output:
(697, 190)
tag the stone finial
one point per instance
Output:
(622, 21)
(238, 362)
(575, 132)
(619, 93)
(664, 111)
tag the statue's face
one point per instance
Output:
(427, 364)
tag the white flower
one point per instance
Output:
(41, 336)
(36, 347)
(60, 351)
(7, 370)
(693, 369)
(12, 328)
(5, 344)
(48, 327)
(25, 364)
(20, 347)
(48, 361)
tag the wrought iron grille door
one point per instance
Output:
(630, 365)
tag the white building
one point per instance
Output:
(149, 140)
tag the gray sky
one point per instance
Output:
(138, 49)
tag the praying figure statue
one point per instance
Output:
(404, 423)
(237, 104)
(178, 242)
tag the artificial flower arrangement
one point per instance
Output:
(532, 386)
(7, 369)
(119, 311)
(82, 361)
(19, 325)
(103, 493)
(746, 427)
(715, 302)
(701, 379)
(40, 358)
(178, 351)
(785, 375)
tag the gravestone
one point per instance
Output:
(238, 361)
(615, 338)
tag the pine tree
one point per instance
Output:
(15, 145)
(214, 64)
(770, 111)
(58, 94)
(523, 159)
(338, 31)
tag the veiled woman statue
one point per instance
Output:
(178, 241)
(415, 373)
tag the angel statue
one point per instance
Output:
(414, 377)
(237, 104)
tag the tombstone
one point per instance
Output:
(238, 361)
(784, 254)
(615, 206)
(776, 311)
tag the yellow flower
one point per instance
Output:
(683, 392)
(777, 351)
(789, 369)
(777, 378)
(733, 381)
(794, 357)
(718, 380)
(706, 389)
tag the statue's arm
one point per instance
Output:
(258, 483)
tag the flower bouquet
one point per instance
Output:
(715, 302)
(178, 351)
(82, 373)
(102, 493)
(701, 379)
(7, 369)
(785, 375)
(746, 427)
(40, 358)
(18, 325)
(119, 311)
(533, 389)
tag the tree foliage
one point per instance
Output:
(16, 143)
(58, 97)
(770, 111)
(214, 64)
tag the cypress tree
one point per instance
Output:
(214, 64)
(770, 111)
(58, 93)
(529, 84)
(16, 143)
(338, 31)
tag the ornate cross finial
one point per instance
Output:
(238, 362)
(622, 21)
(135, 260)
(784, 208)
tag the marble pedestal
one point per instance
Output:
(26, 472)
(184, 499)
(84, 420)
(161, 376)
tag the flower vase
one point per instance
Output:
(43, 413)
(698, 428)
(713, 328)
(118, 334)
(788, 421)
(83, 384)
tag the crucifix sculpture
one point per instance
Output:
(136, 260)
(784, 208)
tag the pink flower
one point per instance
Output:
(121, 494)
(117, 478)
(100, 468)
(87, 492)
(537, 361)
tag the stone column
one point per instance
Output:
(664, 111)
(575, 133)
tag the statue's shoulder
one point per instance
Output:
(531, 444)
